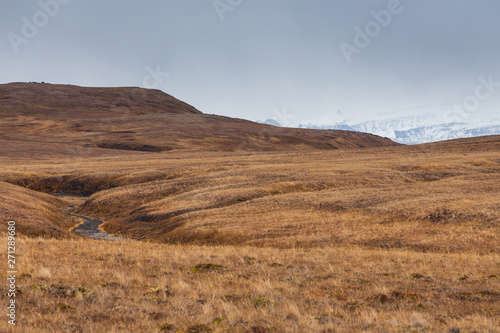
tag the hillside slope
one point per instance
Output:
(412, 197)
(39, 214)
(65, 120)
(34, 98)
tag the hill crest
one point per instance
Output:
(70, 118)
(33, 97)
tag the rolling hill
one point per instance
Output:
(64, 120)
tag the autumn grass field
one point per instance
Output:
(94, 286)
(394, 239)
(426, 198)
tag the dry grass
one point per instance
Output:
(404, 239)
(397, 239)
(95, 286)
(426, 198)
(41, 214)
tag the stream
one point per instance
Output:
(90, 225)
(90, 228)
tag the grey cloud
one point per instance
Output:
(265, 54)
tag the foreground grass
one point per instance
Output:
(93, 286)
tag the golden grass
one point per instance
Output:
(423, 198)
(41, 214)
(95, 286)
(400, 239)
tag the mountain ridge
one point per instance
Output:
(427, 124)
(142, 120)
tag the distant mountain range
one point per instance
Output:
(425, 126)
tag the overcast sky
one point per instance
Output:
(245, 58)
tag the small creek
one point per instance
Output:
(90, 228)
(90, 225)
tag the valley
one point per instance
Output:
(223, 225)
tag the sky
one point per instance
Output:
(296, 61)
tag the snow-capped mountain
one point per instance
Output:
(412, 126)
(445, 132)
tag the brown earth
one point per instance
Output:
(67, 120)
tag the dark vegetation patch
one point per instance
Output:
(490, 170)
(430, 176)
(183, 235)
(445, 215)
(132, 146)
(67, 184)
(210, 267)
(83, 185)
(394, 243)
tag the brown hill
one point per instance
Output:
(62, 119)
(32, 98)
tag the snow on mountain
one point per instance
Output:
(414, 126)
(445, 132)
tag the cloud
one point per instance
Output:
(264, 55)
